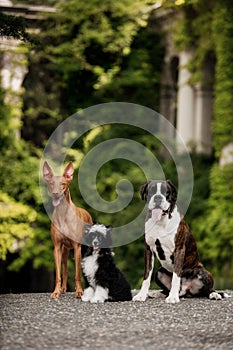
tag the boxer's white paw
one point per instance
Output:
(215, 296)
(172, 299)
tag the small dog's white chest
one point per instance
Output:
(90, 266)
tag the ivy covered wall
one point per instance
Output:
(207, 26)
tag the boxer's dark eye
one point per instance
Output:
(164, 189)
(152, 191)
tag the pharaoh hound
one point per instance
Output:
(66, 228)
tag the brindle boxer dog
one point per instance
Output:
(170, 239)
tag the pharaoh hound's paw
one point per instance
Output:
(55, 295)
(78, 293)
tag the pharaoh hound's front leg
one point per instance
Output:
(148, 269)
(65, 255)
(77, 257)
(57, 259)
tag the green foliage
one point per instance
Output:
(16, 222)
(19, 177)
(223, 33)
(14, 27)
(91, 45)
(201, 167)
(193, 31)
(7, 127)
(36, 2)
(140, 68)
(38, 248)
(216, 226)
(24, 227)
(91, 53)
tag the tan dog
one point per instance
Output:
(66, 228)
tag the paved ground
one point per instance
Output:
(33, 321)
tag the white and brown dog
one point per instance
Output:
(169, 237)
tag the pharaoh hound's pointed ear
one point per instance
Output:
(172, 197)
(47, 172)
(69, 171)
(144, 191)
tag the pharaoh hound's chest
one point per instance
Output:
(161, 240)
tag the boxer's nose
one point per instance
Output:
(157, 199)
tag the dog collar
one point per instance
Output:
(164, 212)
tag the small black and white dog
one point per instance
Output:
(105, 281)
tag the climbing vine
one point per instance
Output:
(207, 27)
(223, 104)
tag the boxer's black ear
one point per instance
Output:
(144, 191)
(172, 197)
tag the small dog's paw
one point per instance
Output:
(85, 298)
(97, 300)
(140, 297)
(215, 296)
(88, 294)
(172, 299)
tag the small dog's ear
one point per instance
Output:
(108, 239)
(144, 191)
(172, 196)
(47, 172)
(69, 171)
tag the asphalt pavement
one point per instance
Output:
(33, 321)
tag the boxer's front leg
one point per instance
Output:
(179, 255)
(173, 296)
(148, 269)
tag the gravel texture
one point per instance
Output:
(33, 321)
